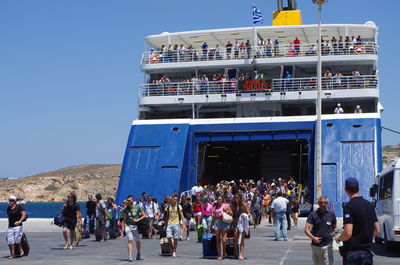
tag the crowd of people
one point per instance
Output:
(222, 83)
(263, 49)
(218, 83)
(226, 209)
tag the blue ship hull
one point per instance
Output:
(162, 157)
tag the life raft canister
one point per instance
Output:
(359, 50)
(155, 59)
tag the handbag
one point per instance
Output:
(59, 219)
(226, 218)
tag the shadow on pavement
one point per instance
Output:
(379, 250)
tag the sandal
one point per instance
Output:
(11, 257)
(22, 253)
(66, 246)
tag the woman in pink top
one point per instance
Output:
(221, 227)
(206, 212)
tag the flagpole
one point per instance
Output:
(254, 40)
(254, 33)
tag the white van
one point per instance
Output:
(387, 201)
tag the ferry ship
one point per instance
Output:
(220, 104)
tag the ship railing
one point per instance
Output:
(262, 85)
(260, 51)
(328, 83)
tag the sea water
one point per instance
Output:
(41, 209)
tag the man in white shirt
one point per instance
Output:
(151, 211)
(338, 109)
(196, 190)
(279, 206)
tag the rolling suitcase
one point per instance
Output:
(85, 229)
(230, 247)
(166, 249)
(209, 246)
(24, 244)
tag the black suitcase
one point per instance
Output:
(25, 246)
(166, 249)
(230, 247)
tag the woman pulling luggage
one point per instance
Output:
(222, 216)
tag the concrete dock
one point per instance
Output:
(47, 248)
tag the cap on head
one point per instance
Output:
(12, 198)
(338, 105)
(205, 199)
(358, 106)
(351, 182)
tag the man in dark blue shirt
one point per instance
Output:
(323, 224)
(360, 226)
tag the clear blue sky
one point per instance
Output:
(69, 69)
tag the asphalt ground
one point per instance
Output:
(47, 248)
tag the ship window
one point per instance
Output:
(357, 125)
(169, 167)
(329, 124)
(175, 129)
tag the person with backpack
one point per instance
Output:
(72, 218)
(255, 207)
(173, 219)
(151, 211)
(187, 213)
(112, 219)
(132, 215)
(101, 213)
(16, 215)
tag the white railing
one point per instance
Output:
(269, 85)
(261, 51)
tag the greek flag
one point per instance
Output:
(257, 16)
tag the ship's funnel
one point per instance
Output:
(287, 16)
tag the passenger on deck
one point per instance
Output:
(297, 44)
(204, 48)
(338, 109)
(358, 110)
(248, 49)
(228, 48)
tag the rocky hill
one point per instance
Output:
(389, 153)
(89, 179)
(55, 185)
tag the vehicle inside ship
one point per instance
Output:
(271, 159)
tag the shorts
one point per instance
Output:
(173, 231)
(14, 235)
(197, 214)
(255, 213)
(187, 221)
(219, 225)
(70, 225)
(132, 232)
(100, 223)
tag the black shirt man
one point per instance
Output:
(360, 226)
